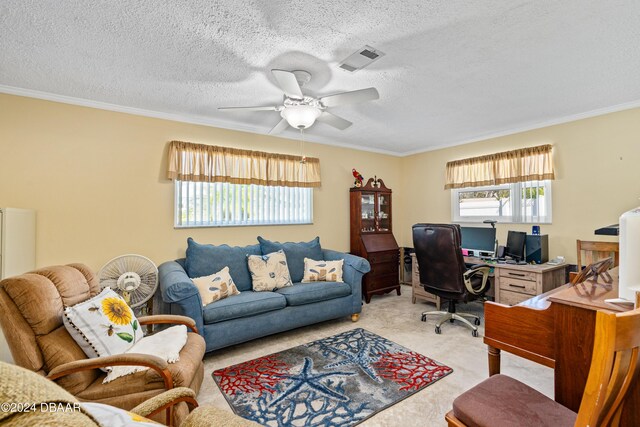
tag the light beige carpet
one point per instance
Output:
(396, 318)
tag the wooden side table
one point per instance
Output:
(417, 290)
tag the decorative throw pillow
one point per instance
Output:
(103, 325)
(322, 271)
(204, 260)
(269, 272)
(216, 286)
(295, 253)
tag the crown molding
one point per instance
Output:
(191, 119)
(83, 102)
(206, 121)
(538, 125)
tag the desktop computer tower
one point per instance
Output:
(406, 273)
(537, 248)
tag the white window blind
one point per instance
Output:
(219, 204)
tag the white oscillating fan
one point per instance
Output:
(134, 277)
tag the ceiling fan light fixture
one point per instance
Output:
(300, 116)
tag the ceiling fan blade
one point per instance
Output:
(282, 125)
(333, 120)
(265, 108)
(352, 97)
(288, 83)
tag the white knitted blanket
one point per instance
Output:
(165, 344)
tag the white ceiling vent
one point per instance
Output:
(360, 59)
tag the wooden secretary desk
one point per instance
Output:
(557, 329)
(372, 237)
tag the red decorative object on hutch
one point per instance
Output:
(371, 238)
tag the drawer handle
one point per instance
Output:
(517, 274)
(517, 286)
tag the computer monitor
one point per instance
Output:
(515, 245)
(479, 241)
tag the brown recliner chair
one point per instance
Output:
(31, 310)
(444, 273)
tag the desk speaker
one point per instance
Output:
(537, 248)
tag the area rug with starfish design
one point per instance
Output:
(336, 381)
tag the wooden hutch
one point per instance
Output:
(372, 238)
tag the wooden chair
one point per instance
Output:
(503, 401)
(590, 252)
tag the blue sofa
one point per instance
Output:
(251, 315)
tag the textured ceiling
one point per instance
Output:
(454, 71)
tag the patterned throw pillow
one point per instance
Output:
(103, 325)
(295, 252)
(269, 272)
(322, 271)
(216, 287)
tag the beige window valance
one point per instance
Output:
(210, 163)
(526, 164)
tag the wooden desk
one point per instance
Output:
(417, 290)
(556, 329)
(511, 284)
(517, 283)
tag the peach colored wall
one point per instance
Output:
(96, 179)
(597, 163)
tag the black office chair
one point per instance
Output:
(443, 271)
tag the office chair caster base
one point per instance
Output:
(474, 333)
(463, 318)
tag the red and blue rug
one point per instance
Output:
(337, 381)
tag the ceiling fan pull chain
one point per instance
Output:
(303, 158)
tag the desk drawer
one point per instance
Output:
(518, 285)
(384, 268)
(391, 256)
(512, 298)
(517, 274)
(382, 281)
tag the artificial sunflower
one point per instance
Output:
(137, 418)
(117, 311)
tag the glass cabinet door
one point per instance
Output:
(384, 212)
(368, 212)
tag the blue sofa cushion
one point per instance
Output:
(246, 304)
(205, 260)
(308, 293)
(295, 253)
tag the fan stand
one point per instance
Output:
(129, 282)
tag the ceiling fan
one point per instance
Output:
(300, 111)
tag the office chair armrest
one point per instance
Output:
(474, 266)
(481, 269)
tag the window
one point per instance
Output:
(219, 204)
(522, 202)
(223, 186)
